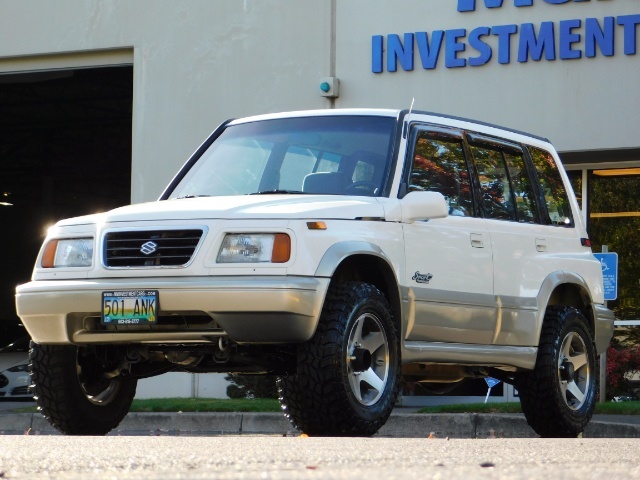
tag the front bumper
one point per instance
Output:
(246, 309)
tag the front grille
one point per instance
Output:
(26, 390)
(155, 248)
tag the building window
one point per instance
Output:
(614, 220)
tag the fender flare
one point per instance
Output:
(338, 252)
(550, 284)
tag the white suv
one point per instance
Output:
(340, 250)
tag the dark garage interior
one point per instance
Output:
(65, 150)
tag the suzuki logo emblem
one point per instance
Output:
(149, 248)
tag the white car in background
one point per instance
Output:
(14, 370)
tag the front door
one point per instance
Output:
(449, 261)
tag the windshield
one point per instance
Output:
(334, 155)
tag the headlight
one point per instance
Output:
(72, 252)
(255, 248)
(19, 368)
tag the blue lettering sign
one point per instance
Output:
(533, 46)
(470, 5)
(453, 47)
(377, 53)
(475, 41)
(596, 35)
(567, 39)
(504, 33)
(629, 22)
(396, 50)
(429, 52)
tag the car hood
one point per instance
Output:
(8, 360)
(239, 207)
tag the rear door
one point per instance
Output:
(519, 241)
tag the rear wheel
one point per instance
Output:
(558, 397)
(77, 390)
(347, 379)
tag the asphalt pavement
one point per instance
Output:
(404, 422)
(248, 457)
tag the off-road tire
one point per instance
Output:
(558, 397)
(329, 394)
(63, 400)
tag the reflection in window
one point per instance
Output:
(297, 163)
(614, 220)
(521, 183)
(440, 166)
(327, 153)
(497, 200)
(553, 189)
(575, 178)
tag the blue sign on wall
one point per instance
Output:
(566, 39)
(609, 262)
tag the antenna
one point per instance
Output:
(406, 124)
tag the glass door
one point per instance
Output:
(614, 220)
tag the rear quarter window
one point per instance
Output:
(553, 189)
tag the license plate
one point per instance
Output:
(130, 307)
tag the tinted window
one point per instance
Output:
(555, 194)
(440, 166)
(505, 183)
(497, 200)
(521, 187)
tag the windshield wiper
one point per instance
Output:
(277, 191)
(191, 196)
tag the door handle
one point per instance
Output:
(541, 244)
(477, 241)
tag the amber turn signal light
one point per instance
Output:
(281, 248)
(49, 255)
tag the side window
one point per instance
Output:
(555, 194)
(505, 183)
(439, 165)
(521, 187)
(497, 201)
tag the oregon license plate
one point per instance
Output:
(130, 307)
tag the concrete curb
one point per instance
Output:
(412, 425)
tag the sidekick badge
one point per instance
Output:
(422, 277)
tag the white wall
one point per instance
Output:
(196, 63)
(183, 385)
(199, 62)
(583, 104)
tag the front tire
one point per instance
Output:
(74, 392)
(347, 380)
(558, 397)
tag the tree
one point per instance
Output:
(622, 363)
